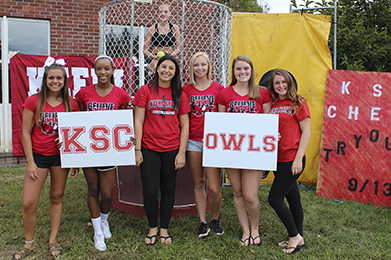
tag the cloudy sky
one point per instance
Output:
(280, 6)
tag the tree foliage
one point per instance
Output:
(246, 5)
(363, 33)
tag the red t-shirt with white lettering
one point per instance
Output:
(161, 129)
(201, 101)
(43, 137)
(93, 102)
(243, 104)
(289, 127)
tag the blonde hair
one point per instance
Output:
(191, 70)
(291, 92)
(253, 92)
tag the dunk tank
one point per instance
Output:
(203, 26)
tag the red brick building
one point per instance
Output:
(74, 28)
(43, 27)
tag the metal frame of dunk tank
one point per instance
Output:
(204, 26)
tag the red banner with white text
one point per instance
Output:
(26, 73)
(355, 156)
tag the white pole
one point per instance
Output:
(141, 56)
(6, 130)
(335, 35)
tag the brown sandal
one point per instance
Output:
(55, 247)
(23, 252)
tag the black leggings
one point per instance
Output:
(158, 169)
(285, 185)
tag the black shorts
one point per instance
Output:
(44, 162)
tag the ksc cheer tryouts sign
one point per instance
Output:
(355, 156)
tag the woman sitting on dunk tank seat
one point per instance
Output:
(163, 36)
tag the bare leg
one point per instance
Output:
(106, 181)
(250, 186)
(31, 192)
(235, 178)
(197, 172)
(92, 178)
(58, 178)
(214, 183)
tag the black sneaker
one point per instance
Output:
(203, 230)
(217, 227)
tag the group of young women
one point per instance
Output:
(168, 122)
(41, 147)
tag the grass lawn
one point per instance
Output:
(332, 230)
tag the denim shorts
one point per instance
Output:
(105, 168)
(195, 146)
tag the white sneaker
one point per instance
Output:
(106, 229)
(100, 242)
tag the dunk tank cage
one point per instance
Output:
(202, 26)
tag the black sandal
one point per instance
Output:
(150, 240)
(165, 239)
(244, 241)
(253, 239)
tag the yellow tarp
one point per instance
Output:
(297, 43)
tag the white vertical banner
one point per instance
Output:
(242, 141)
(96, 138)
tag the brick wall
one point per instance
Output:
(74, 23)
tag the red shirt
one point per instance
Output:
(289, 128)
(43, 137)
(161, 129)
(243, 104)
(93, 102)
(201, 101)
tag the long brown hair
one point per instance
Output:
(253, 92)
(43, 93)
(291, 92)
(176, 85)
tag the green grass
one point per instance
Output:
(332, 230)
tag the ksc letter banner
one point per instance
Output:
(243, 141)
(96, 138)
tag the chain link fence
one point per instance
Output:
(132, 33)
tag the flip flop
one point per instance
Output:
(165, 239)
(23, 252)
(256, 244)
(296, 249)
(303, 246)
(150, 240)
(283, 244)
(244, 242)
(55, 247)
